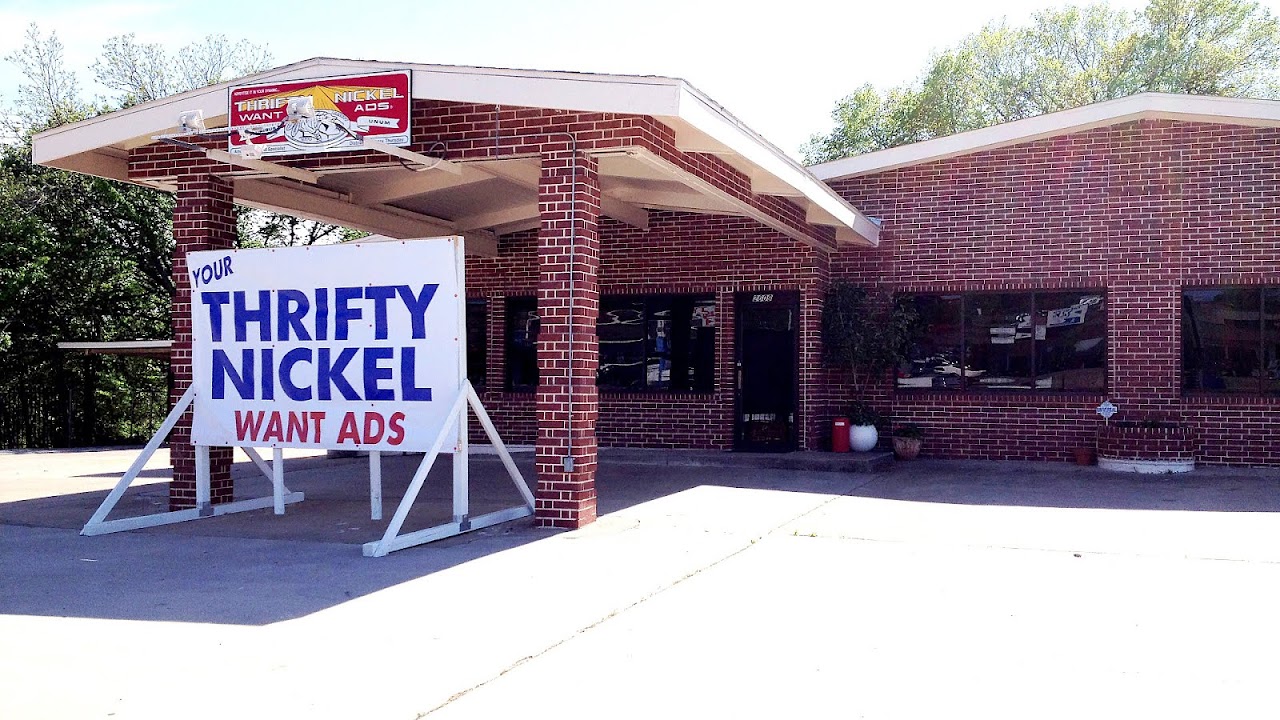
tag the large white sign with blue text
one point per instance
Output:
(354, 346)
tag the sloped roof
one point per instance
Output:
(100, 145)
(1161, 106)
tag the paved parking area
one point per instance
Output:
(932, 590)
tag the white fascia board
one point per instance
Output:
(1161, 106)
(567, 91)
(592, 93)
(699, 111)
(160, 116)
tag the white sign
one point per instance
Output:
(1106, 410)
(1073, 315)
(353, 346)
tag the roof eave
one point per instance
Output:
(1162, 106)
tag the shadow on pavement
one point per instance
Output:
(256, 568)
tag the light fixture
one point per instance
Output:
(191, 122)
(300, 107)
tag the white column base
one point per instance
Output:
(1147, 467)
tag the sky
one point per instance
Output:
(779, 68)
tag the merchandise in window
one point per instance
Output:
(1046, 341)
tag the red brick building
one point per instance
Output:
(651, 273)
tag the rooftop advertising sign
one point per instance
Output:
(310, 116)
(352, 346)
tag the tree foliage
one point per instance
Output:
(1064, 58)
(84, 258)
(864, 333)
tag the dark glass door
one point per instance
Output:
(767, 347)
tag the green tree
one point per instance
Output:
(84, 258)
(1064, 58)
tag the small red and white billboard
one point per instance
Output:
(330, 114)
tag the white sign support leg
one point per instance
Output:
(100, 525)
(375, 485)
(392, 540)
(277, 480)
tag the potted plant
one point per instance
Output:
(865, 335)
(907, 439)
(863, 435)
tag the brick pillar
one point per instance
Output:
(203, 219)
(566, 491)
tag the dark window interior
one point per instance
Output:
(477, 345)
(522, 343)
(657, 343)
(1009, 341)
(1231, 340)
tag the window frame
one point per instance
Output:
(508, 326)
(965, 387)
(1261, 391)
(648, 300)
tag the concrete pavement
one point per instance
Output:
(935, 589)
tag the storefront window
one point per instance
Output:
(934, 359)
(1009, 341)
(1231, 340)
(522, 343)
(477, 341)
(657, 343)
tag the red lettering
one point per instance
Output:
(297, 427)
(396, 425)
(350, 430)
(316, 417)
(275, 428)
(248, 424)
(370, 420)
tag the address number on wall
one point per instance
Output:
(762, 298)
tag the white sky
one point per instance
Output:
(780, 68)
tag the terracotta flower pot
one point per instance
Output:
(905, 448)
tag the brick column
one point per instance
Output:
(568, 244)
(203, 219)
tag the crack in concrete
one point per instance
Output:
(640, 601)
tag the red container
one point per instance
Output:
(840, 434)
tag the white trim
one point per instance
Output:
(1158, 106)
(118, 345)
(671, 101)
(1147, 467)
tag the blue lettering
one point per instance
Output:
(322, 313)
(215, 301)
(417, 307)
(331, 374)
(343, 313)
(409, 390)
(373, 372)
(287, 318)
(291, 358)
(243, 315)
(380, 294)
(223, 368)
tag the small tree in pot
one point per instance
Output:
(866, 336)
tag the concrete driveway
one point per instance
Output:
(932, 590)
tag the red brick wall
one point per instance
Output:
(679, 253)
(1141, 209)
(203, 219)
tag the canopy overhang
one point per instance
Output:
(717, 166)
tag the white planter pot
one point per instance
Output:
(863, 437)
